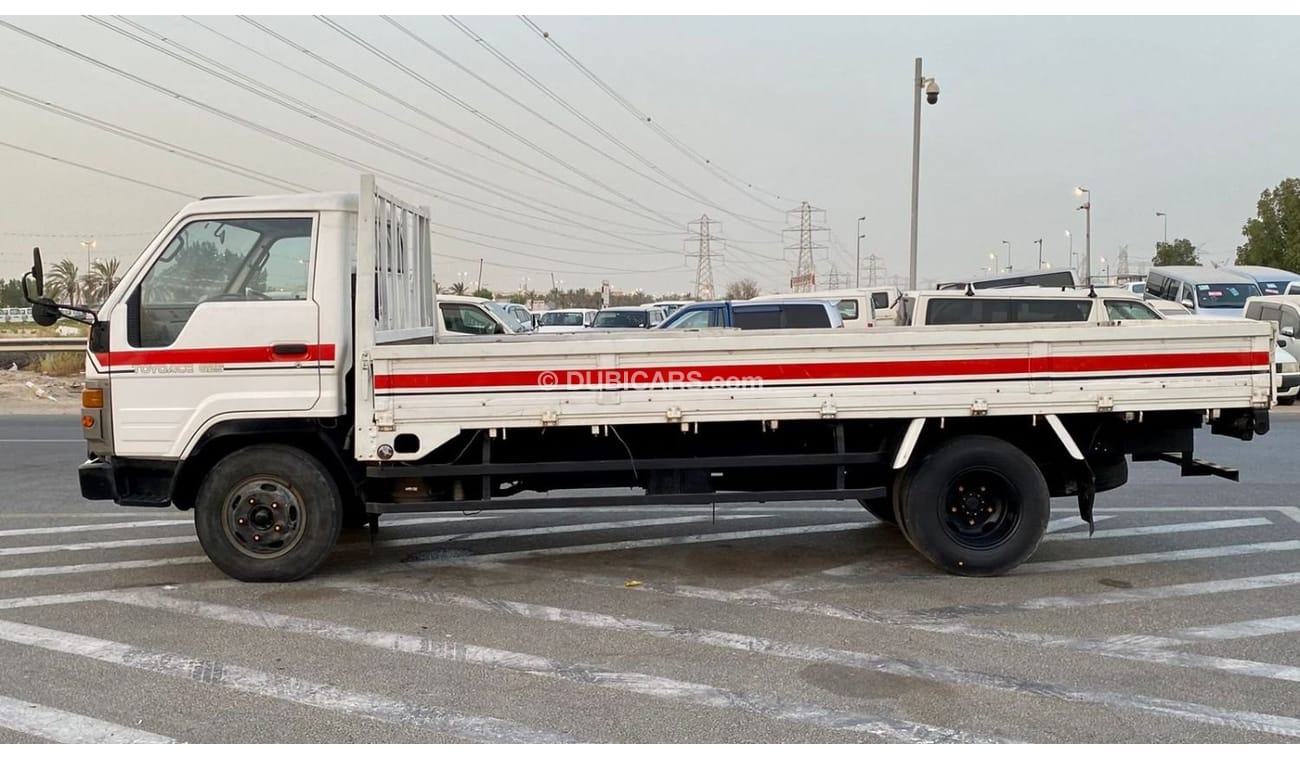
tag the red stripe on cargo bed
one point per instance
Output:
(233, 355)
(1044, 365)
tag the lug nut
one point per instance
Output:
(961, 489)
(241, 521)
(258, 536)
(279, 528)
(972, 523)
(983, 489)
(251, 500)
(275, 505)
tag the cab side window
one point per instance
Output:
(1291, 319)
(212, 260)
(466, 319)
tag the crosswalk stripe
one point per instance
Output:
(127, 543)
(284, 688)
(56, 529)
(69, 728)
(647, 543)
(1234, 550)
(1261, 722)
(1242, 629)
(1155, 530)
(99, 567)
(636, 683)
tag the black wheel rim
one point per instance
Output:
(981, 509)
(264, 517)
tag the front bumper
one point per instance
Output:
(1288, 386)
(129, 482)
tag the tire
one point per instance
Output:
(897, 497)
(268, 513)
(881, 509)
(976, 505)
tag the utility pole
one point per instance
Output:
(703, 238)
(805, 275)
(857, 266)
(1040, 252)
(875, 271)
(837, 279)
(479, 283)
(1121, 262)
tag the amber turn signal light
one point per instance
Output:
(92, 398)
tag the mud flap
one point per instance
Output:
(1087, 493)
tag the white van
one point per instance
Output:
(1021, 305)
(1207, 291)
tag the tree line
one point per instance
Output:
(66, 284)
(1272, 235)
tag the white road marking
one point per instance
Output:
(555, 530)
(1235, 550)
(284, 688)
(1243, 629)
(632, 682)
(1262, 722)
(1118, 596)
(410, 541)
(1155, 530)
(93, 528)
(126, 543)
(75, 597)
(99, 567)
(69, 728)
(646, 543)
(1066, 523)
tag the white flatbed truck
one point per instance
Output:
(278, 365)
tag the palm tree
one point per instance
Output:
(458, 288)
(100, 281)
(63, 283)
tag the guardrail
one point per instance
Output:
(41, 345)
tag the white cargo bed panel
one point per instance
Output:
(435, 391)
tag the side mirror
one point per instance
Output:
(38, 272)
(44, 312)
(1288, 332)
(1188, 303)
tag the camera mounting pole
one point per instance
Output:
(931, 89)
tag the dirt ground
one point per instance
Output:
(23, 392)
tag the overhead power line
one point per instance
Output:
(644, 118)
(459, 103)
(685, 189)
(104, 172)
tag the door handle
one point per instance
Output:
(289, 349)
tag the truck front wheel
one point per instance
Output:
(268, 513)
(976, 505)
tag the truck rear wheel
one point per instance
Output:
(976, 505)
(881, 509)
(268, 513)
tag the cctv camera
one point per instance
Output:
(932, 92)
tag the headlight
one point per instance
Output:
(1290, 368)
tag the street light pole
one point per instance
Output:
(931, 88)
(1069, 244)
(1166, 220)
(1008, 244)
(1040, 252)
(1087, 246)
(858, 280)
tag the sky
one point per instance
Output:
(1193, 117)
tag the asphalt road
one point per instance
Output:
(1176, 622)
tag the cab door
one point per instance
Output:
(222, 325)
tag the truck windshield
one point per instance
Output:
(1225, 296)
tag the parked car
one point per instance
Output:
(1206, 291)
(467, 315)
(565, 320)
(1139, 287)
(1033, 304)
(521, 313)
(858, 307)
(1284, 313)
(756, 315)
(628, 317)
(1047, 278)
(669, 306)
(1271, 281)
